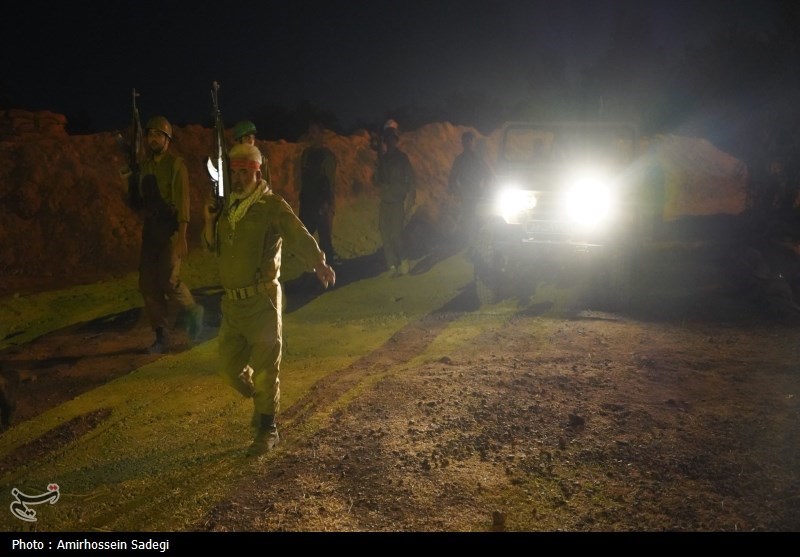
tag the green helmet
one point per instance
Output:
(243, 128)
(161, 124)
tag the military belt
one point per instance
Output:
(247, 291)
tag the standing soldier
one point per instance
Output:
(376, 138)
(395, 178)
(164, 206)
(389, 124)
(468, 180)
(245, 132)
(248, 238)
(317, 188)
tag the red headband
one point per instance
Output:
(245, 163)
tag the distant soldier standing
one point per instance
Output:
(395, 178)
(163, 202)
(389, 124)
(469, 178)
(248, 238)
(317, 188)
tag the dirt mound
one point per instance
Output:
(64, 220)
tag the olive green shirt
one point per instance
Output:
(250, 252)
(172, 178)
(395, 178)
(317, 176)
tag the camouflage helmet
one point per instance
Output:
(161, 124)
(243, 128)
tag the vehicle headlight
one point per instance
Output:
(513, 202)
(589, 200)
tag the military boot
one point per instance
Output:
(161, 344)
(266, 436)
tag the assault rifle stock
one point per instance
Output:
(217, 163)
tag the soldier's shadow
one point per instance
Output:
(306, 287)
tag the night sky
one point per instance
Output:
(356, 59)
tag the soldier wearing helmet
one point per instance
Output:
(245, 132)
(389, 126)
(161, 124)
(394, 176)
(164, 191)
(248, 237)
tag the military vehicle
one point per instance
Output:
(565, 205)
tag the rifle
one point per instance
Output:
(217, 164)
(134, 151)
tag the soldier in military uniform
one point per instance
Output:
(248, 237)
(469, 178)
(245, 132)
(395, 178)
(163, 201)
(317, 188)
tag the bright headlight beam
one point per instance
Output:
(511, 202)
(588, 199)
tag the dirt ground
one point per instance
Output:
(682, 416)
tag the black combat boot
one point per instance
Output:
(266, 436)
(161, 344)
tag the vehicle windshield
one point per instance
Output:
(609, 145)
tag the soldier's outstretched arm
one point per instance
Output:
(325, 273)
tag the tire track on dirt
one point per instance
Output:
(518, 425)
